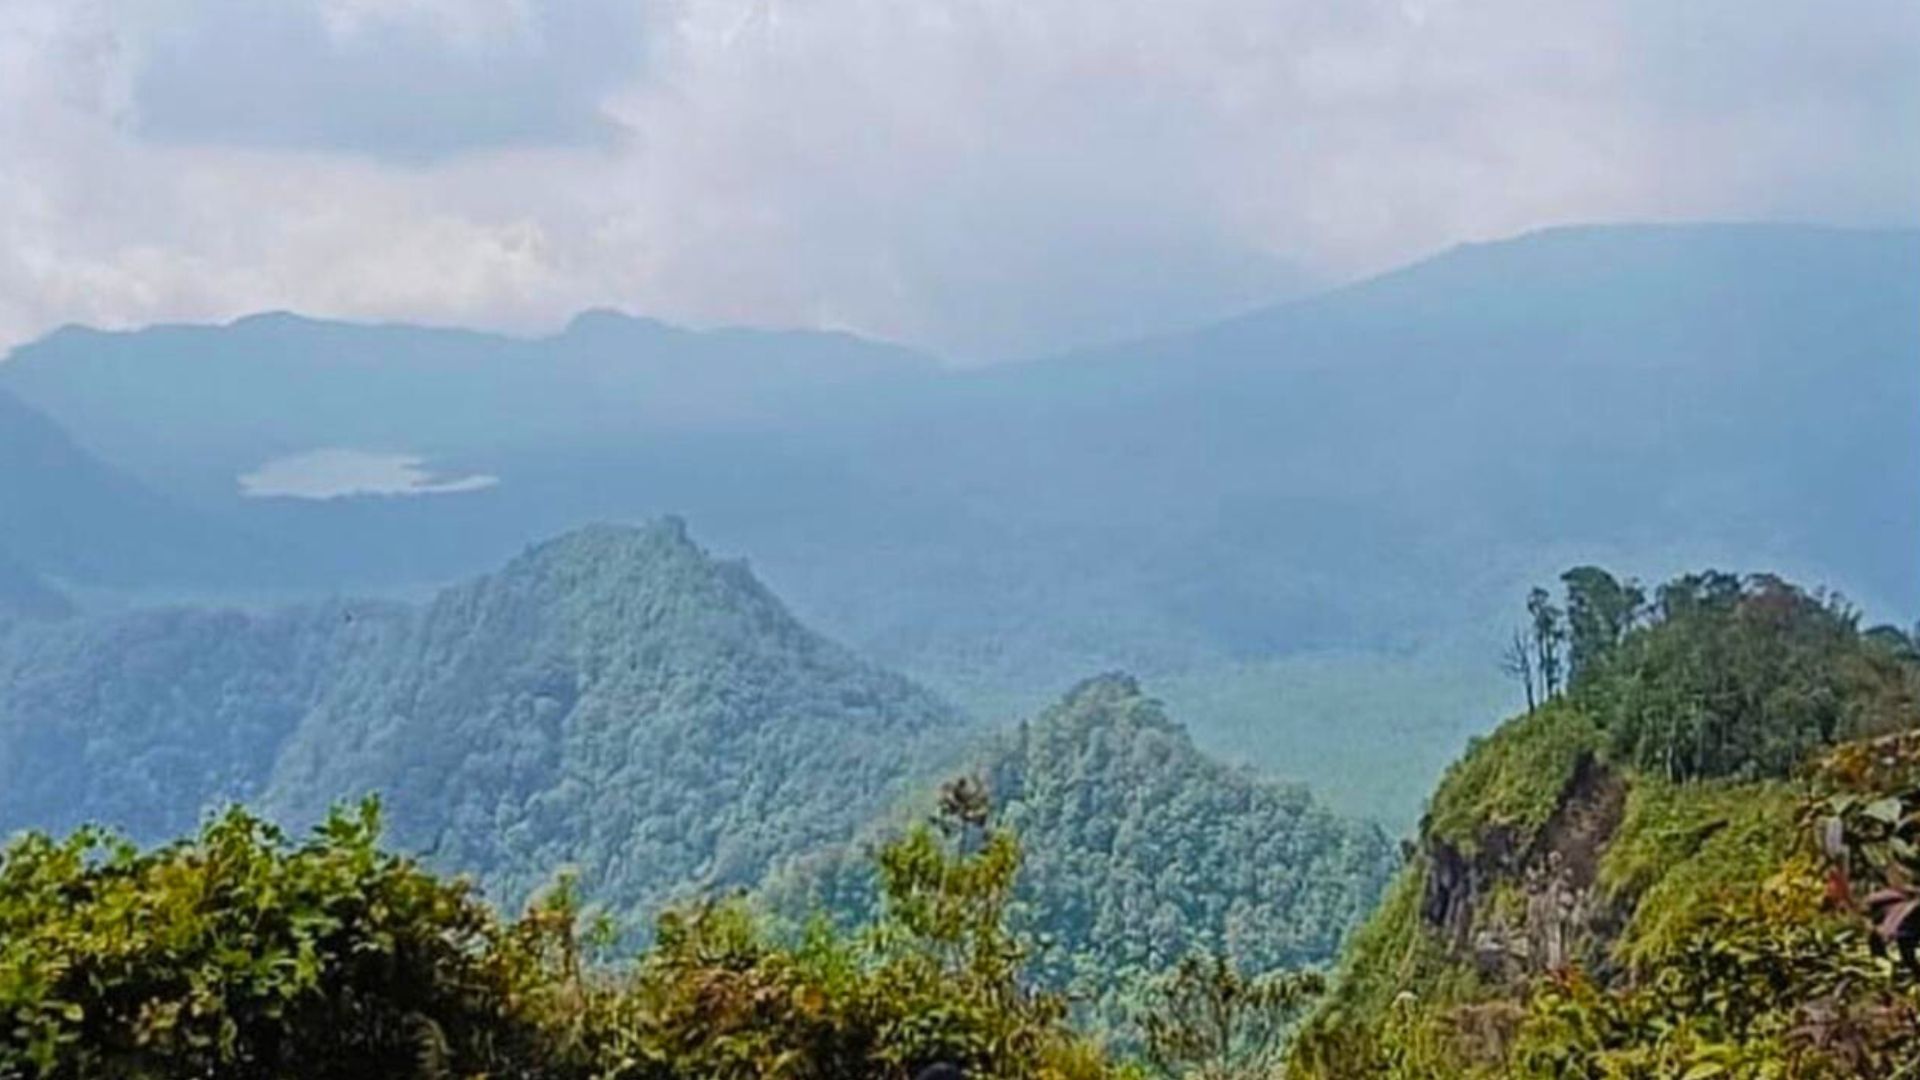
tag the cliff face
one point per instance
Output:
(1526, 906)
(1540, 864)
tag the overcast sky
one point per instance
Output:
(982, 177)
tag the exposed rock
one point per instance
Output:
(1520, 907)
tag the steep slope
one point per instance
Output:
(617, 702)
(1139, 850)
(1621, 883)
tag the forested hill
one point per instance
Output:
(1694, 858)
(1141, 850)
(143, 720)
(618, 702)
(614, 701)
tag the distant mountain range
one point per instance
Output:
(1342, 492)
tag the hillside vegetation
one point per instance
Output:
(615, 701)
(618, 705)
(1697, 855)
(618, 702)
(1669, 867)
(145, 720)
(1141, 852)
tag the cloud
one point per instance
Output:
(407, 80)
(985, 177)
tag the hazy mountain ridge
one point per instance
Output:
(66, 514)
(1360, 478)
(24, 594)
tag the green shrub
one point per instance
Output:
(239, 953)
(1511, 779)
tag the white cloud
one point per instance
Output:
(984, 176)
(470, 24)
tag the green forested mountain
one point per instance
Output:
(1695, 858)
(145, 719)
(618, 705)
(615, 702)
(618, 702)
(1140, 851)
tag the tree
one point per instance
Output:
(1208, 1020)
(1517, 661)
(1549, 635)
(1600, 610)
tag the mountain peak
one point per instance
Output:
(610, 325)
(658, 559)
(666, 534)
(635, 699)
(1109, 699)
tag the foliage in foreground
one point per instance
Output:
(240, 953)
(1208, 1020)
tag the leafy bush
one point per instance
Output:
(241, 954)
(1685, 851)
(1770, 986)
(238, 954)
(1208, 1020)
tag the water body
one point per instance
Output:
(337, 472)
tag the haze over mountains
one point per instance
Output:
(1306, 524)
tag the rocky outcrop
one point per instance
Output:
(1519, 906)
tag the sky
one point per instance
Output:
(982, 178)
